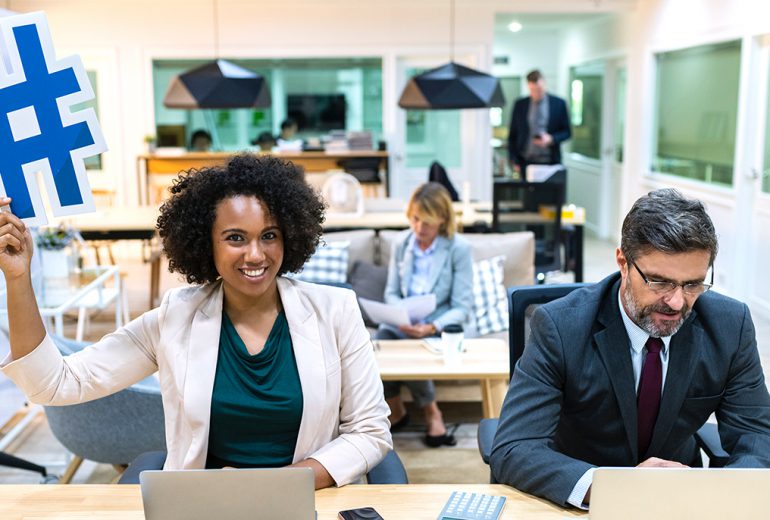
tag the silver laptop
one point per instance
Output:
(229, 494)
(680, 494)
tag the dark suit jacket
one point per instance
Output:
(558, 127)
(571, 404)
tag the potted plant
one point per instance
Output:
(150, 143)
(55, 247)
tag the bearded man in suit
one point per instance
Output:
(624, 372)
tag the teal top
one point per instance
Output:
(256, 405)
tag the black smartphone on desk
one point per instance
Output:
(361, 513)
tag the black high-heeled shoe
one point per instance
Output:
(400, 424)
(435, 441)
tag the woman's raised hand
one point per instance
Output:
(15, 242)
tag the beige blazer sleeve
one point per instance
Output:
(117, 361)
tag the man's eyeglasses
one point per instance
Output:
(691, 289)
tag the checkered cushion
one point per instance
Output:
(489, 306)
(329, 264)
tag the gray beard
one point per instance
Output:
(643, 317)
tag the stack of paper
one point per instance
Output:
(406, 312)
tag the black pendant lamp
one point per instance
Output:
(218, 84)
(452, 86)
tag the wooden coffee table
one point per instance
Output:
(485, 360)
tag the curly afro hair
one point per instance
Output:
(186, 219)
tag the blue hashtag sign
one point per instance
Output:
(38, 132)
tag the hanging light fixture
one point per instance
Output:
(218, 84)
(452, 85)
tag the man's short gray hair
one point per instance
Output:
(664, 220)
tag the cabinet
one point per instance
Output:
(156, 171)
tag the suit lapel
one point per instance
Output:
(199, 379)
(681, 365)
(439, 257)
(613, 346)
(406, 266)
(309, 356)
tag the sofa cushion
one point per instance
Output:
(518, 249)
(388, 239)
(490, 308)
(329, 264)
(361, 248)
(368, 281)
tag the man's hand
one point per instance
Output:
(545, 139)
(652, 462)
(421, 330)
(655, 462)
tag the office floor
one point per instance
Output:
(459, 464)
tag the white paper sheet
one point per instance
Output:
(407, 311)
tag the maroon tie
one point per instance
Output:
(648, 398)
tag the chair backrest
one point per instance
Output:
(522, 301)
(536, 207)
(437, 173)
(114, 429)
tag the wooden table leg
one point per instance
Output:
(492, 396)
(154, 279)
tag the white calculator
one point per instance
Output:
(472, 506)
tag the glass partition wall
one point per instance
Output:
(321, 94)
(585, 105)
(696, 112)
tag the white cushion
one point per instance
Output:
(329, 264)
(490, 308)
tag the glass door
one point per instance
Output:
(424, 136)
(616, 91)
(757, 189)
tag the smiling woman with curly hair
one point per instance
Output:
(280, 186)
(255, 369)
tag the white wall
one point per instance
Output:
(528, 50)
(741, 222)
(133, 32)
(741, 213)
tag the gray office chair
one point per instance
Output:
(521, 303)
(389, 471)
(112, 430)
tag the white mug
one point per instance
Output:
(452, 343)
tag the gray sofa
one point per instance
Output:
(369, 253)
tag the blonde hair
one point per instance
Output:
(432, 202)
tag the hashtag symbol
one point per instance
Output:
(38, 133)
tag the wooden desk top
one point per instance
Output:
(282, 154)
(145, 217)
(411, 360)
(124, 502)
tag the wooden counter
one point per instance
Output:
(156, 171)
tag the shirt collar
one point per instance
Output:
(416, 248)
(636, 334)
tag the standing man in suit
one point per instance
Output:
(539, 124)
(624, 372)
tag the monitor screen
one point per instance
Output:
(317, 112)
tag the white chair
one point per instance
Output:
(343, 193)
(98, 300)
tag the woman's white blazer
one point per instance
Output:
(344, 415)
